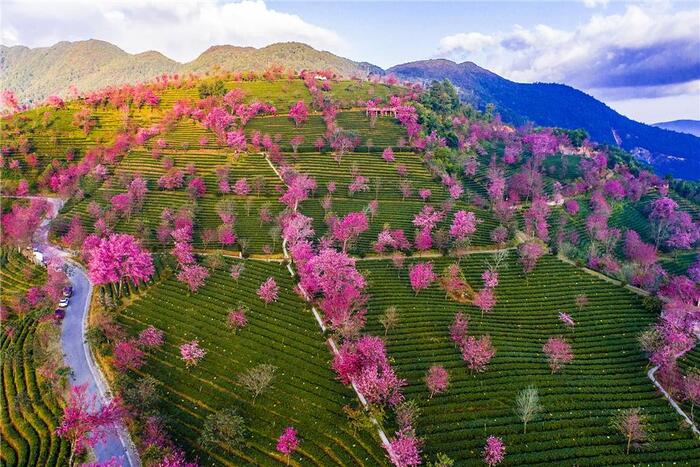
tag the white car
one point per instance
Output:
(63, 303)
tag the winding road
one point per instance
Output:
(77, 354)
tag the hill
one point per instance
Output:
(691, 127)
(549, 104)
(35, 73)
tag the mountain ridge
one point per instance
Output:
(560, 105)
(35, 73)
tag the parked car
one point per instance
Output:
(59, 314)
(68, 291)
(63, 303)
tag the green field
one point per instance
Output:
(285, 334)
(30, 410)
(608, 372)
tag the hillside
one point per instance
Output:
(35, 73)
(558, 105)
(292, 252)
(691, 127)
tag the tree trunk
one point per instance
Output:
(629, 443)
(524, 427)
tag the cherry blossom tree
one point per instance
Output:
(388, 155)
(116, 259)
(494, 451)
(567, 320)
(477, 352)
(299, 113)
(463, 226)
(191, 353)
(268, 291)
(364, 362)
(421, 276)
(127, 355)
(405, 450)
(558, 352)
(86, 421)
(437, 380)
(151, 337)
(193, 275)
(530, 252)
(633, 425)
(349, 228)
(287, 443)
(237, 318)
(485, 299)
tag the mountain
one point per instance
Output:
(691, 127)
(35, 73)
(549, 104)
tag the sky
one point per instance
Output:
(640, 57)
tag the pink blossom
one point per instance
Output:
(388, 155)
(151, 337)
(437, 380)
(490, 278)
(567, 319)
(421, 276)
(191, 353)
(494, 451)
(268, 291)
(558, 352)
(288, 442)
(194, 275)
(477, 352)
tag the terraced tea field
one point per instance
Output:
(304, 393)
(608, 372)
(29, 411)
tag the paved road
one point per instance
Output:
(77, 353)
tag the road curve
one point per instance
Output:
(76, 352)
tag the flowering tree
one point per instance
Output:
(127, 355)
(633, 425)
(364, 362)
(193, 275)
(485, 299)
(191, 353)
(567, 320)
(287, 443)
(237, 318)
(151, 337)
(405, 450)
(299, 113)
(85, 421)
(691, 391)
(116, 259)
(558, 353)
(268, 291)
(463, 226)
(477, 352)
(494, 451)
(437, 380)
(530, 252)
(388, 155)
(349, 227)
(421, 276)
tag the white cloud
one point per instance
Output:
(595, 3)
(646, 45)
(180, 29)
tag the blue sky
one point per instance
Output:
(641, 58)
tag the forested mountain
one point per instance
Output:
(550, 104)
(35, 73)
(682, 126)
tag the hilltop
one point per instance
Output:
(35, 73)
